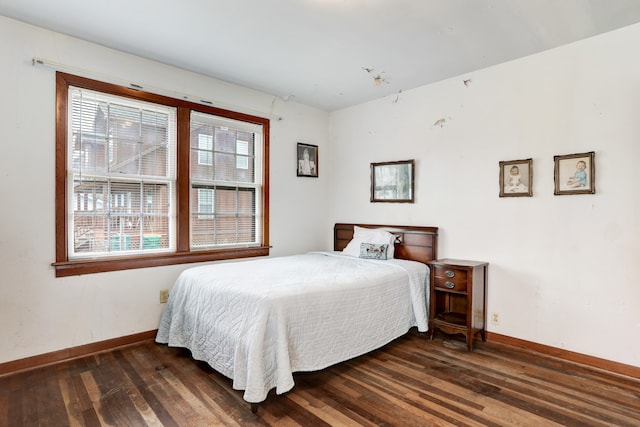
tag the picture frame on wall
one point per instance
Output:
(392, 181)
(516, 178)
(307, 164)
(574, 173)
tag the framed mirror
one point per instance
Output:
(392, 181)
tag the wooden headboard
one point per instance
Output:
(413, 242)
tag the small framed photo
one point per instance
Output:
(575, 174)
(516, 178)
(307, 160)
(392, 181)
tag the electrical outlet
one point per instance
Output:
(164, 295)
(495, 318)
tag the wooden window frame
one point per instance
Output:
(183, 254)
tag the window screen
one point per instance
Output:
(225, 196)
(122, 157)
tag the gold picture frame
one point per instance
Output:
(575, 174)
(516, 178)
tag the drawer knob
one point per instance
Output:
(449, 285)
(449, 273)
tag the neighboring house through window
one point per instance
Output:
(144, 180)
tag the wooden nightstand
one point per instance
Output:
(458, 298)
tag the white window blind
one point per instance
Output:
(228, 213)
(122, 158)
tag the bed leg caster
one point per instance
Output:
(254, 408)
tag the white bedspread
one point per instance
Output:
(259, 321)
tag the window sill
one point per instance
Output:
(78, 267)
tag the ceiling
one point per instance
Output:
(328, 54)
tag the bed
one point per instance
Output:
(259, 321)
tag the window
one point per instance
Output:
(123, 152)
(226, 188)
(205, 203)
(205, 148)
(145, 180)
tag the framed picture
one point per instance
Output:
(392, 181)
(575, 174)
(307, 160)
(516, 178)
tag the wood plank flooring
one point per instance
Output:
(410, 382)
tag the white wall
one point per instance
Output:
(562, 268)
(39, 313)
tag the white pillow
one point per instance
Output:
(369, 235)
(378, 237)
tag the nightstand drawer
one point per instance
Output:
(450, 284)
(449, 273)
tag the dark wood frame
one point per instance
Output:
(559, 176)
(508, 165)
(65, 267)
(299, 152)
(412, 170)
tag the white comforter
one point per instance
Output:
(259, 321)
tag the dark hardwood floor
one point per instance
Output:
(410, 382)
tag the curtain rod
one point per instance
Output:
(159, 91)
